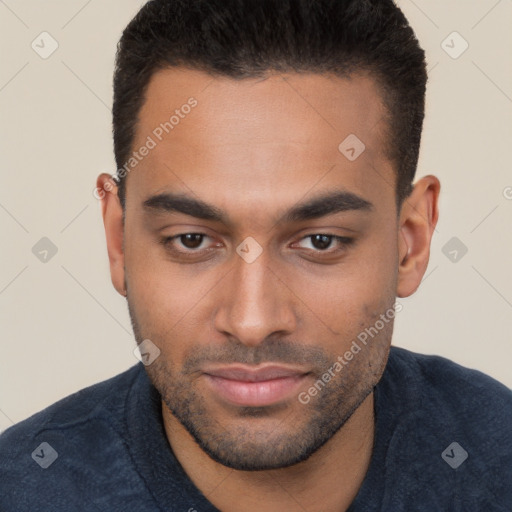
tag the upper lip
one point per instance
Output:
(247, 374)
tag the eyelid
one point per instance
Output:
(342, 240)
(170, 240)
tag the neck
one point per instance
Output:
(328, 480)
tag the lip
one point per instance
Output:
(254, 387)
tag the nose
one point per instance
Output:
(254, 303)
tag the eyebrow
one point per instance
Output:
(184, 204)
(326, 204)
(319, 206)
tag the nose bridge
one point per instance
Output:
(254, 285)
(255, 303)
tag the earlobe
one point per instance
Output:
(418, 219)
(112, 213)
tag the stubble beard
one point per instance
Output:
(241, 440)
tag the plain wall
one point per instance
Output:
(64, 327)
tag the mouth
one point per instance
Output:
(254, 387)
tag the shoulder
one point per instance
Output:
(39, 455)
(437, 380)
(446, 394)
(78, 407)
(453, 427)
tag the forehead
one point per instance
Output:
(275, 138)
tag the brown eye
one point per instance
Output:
(321, 241)
(191, 240)
(326, 243)
(190, 247)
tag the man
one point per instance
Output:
(261, 224)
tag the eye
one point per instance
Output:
(191, 240)
(186, 242)
(323, 242)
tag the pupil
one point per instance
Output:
(321, 241)
(191, 240)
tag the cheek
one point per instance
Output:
(177, 301)
(165, 300)
(168, 302)
(349, 297)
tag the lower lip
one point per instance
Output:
(255, 394)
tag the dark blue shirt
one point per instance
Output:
(443, 443)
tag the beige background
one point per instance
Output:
(62, 325)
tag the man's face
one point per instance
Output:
(243, 334)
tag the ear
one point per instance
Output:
(418, 219)
(112, 213)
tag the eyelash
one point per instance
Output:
(168, 243)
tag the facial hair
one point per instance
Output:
(249, 443)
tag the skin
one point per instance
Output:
(254, 149)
